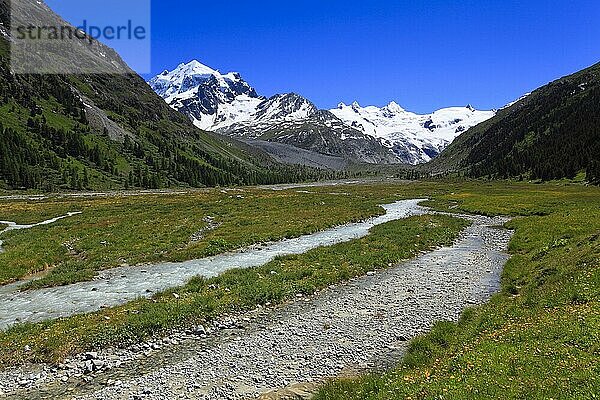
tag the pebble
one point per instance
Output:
(362, 324)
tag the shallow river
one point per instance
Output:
(120, 285)
(350, 328)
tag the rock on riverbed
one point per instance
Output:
(360, 325)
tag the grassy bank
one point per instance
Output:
(138, 228)
(539, 337)
(118, 230)
(233, 291)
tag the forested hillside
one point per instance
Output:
(552, 133)
(113, 131)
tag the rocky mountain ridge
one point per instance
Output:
(229, 105)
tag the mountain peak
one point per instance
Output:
(194, 63)
(287, 106)
(394, 108)
(193, 68)
(183, 83)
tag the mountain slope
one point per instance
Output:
(291, 119)
(229, 105)
(414, 138)
(552, 133)
(110, 131)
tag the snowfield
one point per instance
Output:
(427, 134)
(229, 105)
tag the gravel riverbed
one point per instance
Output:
(353, 327)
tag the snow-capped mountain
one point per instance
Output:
(210, 99)
(215, 101)
(414, 138)
(228, 105)
(291, 119)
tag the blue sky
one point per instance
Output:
(423, 54)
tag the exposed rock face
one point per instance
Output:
(86, 56)
(227, 104)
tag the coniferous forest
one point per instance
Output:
(551, 134)
(47, 142)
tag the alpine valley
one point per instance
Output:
(189, 238)
(227, 104)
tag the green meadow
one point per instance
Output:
(537, 338)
